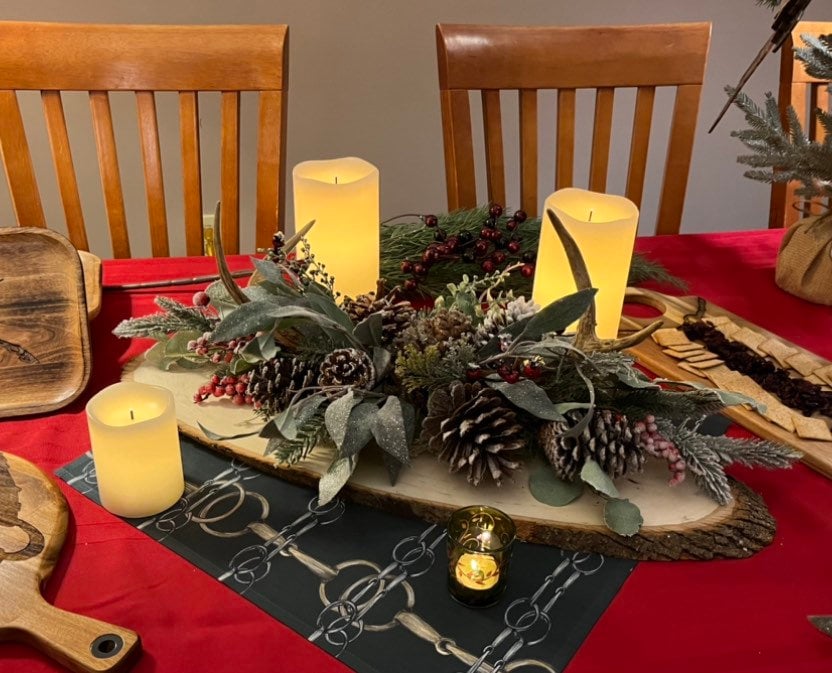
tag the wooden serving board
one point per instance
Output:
(33, 522)
(816, 454)
(679, 522)
(44, 338)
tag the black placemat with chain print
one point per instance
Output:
(368, 586)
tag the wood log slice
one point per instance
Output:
(679, 522)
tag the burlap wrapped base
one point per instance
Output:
(804, 263)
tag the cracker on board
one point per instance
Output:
(729, 328)
(706, 364)
(811, 428)
(690, 368)
(721, 376)
(681, 355)
(778, 350)
(685, 348)
(669, 337)
(705, 355)
(825, 373)
(748, 337)
(803, 363)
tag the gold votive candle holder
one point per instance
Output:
(480, 539)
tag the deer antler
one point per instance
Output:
(586, 337)
(222, 266)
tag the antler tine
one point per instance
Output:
(222, 266)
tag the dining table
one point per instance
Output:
(727, 616)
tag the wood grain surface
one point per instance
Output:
(33, 523)
(816, 454)
(44, 339)
(679, 522)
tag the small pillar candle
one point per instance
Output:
(480, 539)
(342, 196)
(604, 228)
(135, 447)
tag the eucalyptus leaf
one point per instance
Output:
(381, 362)
(622, 516)
(324, 303)
(272, 273)
(390, 431)
(394, 467)
(547, 488)
(368, 331)
(155, 355)
(217, 437)
(726, 397)
(558, 315)
(246, 319)
(593, 474)
(335, 477)
(528, 396)
(337, 416)
(359, 428)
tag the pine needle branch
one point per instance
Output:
(176, 317)
(291, 451)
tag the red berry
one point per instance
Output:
(229, 390)
(512, 225)
(499, 257)
(495, 210)
(201, 299)
(473, 374)
(410, 284)
(512, 377)
(229, 357)
(431, 220)
(197, 398)
(520, 215)
(480, 248)
(527, 270)
(407, 266)
(249, 399)
(419, 269)
(240, 387)
(532, 371)
(215, 379)
(238, 399)
(488, 266)
(218, 391)
(452, 243)
(429, 256)
(486, 233)
(496, 235)
(513, 246)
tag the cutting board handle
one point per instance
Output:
(80, 643)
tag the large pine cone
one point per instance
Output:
(273, 383)
(395, 315)
(438, 329)
(609, 440)
(468, 425)
(348, 368)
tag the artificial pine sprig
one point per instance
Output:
(176, 317)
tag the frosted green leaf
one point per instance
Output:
(529, 396)
(338, 415)
(335, 477)
(389, 430)
(593, 474)
(622, 516)
(545, 486)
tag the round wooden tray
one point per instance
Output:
(679, 522)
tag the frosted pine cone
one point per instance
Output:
(348, 368)
(471, 426)
(395, 315)
(439, 329)
(609, 440)
(274, 383)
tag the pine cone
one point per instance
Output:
(395, 315)
(469, 425)
(436, 329)
(347, 367)
(273, 383)
(609, 440)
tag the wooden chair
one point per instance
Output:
(528, 59)
(52, 57)
(805, 94)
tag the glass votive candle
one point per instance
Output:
(479, 549)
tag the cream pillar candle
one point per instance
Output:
(604, 227)
(342, 196)
(135, 447)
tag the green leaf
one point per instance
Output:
(558, 315)
(210, 434)
(622, 516)
(393, 467)
(381, 362)
(368, 331)
(390, 431)
(338, 415)
(593, 474)
(325, 304)
(335, 477)
(529, 396)
(547, 488)
(246, 319)
(359, 428)
(155, 355)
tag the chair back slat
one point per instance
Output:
(820, 101)
(528, 151)
(493, 131)
(565, 159)
(528, 59)
(230, 171)
(601, 138)
(105, 143)
(191, 173)
(23, 186)
(53, 110)
(145, 59)
(154, 182)
(640, 143)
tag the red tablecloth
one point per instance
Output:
(726, 616)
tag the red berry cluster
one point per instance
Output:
(217, 352)
(510, 372)
(493, 248)
(659, 446)
(225, 386)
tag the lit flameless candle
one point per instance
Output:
(477, 571)
(604, 228)
(135, 447)
(342, 196)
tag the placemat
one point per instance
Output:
(368, 586)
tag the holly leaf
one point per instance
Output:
(547, 488)
(622, 516)
(558, 315)
(390, 430)
(337, 416)
(528, 396)
(333, 480)
(593, 474)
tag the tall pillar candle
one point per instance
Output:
(342, 196)
(135, 447)
(604, 228)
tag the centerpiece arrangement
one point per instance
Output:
(482, 378)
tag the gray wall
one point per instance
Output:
(363, 82)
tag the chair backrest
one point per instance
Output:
(53, 57)
(528, 59)
(805, 94)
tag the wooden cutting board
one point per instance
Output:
(33, 523)
(816, 454)
(44, 336)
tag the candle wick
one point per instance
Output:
(336, 179)
(132, 418)
(590, 215)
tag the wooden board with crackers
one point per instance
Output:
(671, 354)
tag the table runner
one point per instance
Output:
(307, 566)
